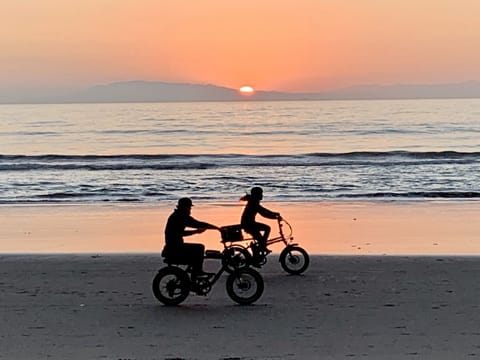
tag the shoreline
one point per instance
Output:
(432, 227)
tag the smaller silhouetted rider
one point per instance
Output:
(259, 231)
(175, 247)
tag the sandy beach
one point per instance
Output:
(372, 307)
(355, 123)
(385, 282)
(347, 228)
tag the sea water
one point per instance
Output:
(216, 151)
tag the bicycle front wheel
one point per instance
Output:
(245, 286)
(294, 260)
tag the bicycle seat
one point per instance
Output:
(213, 254)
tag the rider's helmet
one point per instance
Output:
(256, 193)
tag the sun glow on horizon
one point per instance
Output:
(246, 90)
(286, 46)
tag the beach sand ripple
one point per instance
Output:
(375, 307)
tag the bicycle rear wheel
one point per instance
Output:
(171, 285)
(235, 258)
(245, 286)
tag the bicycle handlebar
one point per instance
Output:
(281, 220)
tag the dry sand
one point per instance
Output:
(370, 307)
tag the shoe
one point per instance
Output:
(259, 260)
(257, 265)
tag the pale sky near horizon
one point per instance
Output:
(301, 45)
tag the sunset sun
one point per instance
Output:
(246, 90)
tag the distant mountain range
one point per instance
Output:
(148, 91)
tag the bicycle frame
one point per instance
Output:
(286, 239)
(173, 283)
(241, 252)
(209, 254)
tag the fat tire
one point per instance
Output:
(245, 286)
(286, 260)
(179, 282)
(236, 258)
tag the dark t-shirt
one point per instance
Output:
(174, 230)
(251, 210)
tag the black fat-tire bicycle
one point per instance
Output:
(174, 282)
(241, 253)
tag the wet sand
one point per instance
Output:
(361, 228)
(371, 307)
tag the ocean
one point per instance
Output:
(297, 151)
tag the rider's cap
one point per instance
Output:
(184, 202)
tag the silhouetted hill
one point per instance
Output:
(146, 91)
(469, 89)
(152, 91)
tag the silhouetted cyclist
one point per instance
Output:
(259, 231)
(175, 247)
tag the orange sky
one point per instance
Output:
(301, 45)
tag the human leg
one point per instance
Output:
(194, 254)
(264, 237)
(266, 231)
(260, 233)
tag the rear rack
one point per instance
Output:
(231, 233)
